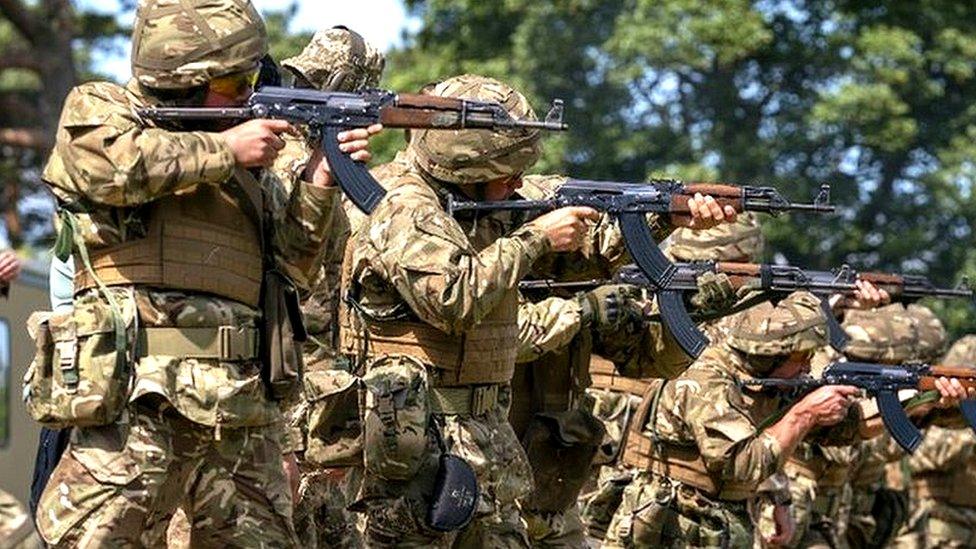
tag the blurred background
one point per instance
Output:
(876, 98)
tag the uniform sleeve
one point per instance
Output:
(546, 326)
(303, 227)
(724, 432)
(104, 153)
(943, 450)
(418, 249)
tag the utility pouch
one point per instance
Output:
(283, 332)
(455, 496)
(396, 416)
(79, 376)
(561, 447)
(335, 437)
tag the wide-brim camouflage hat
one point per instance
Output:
(795, 324)
(466, 157)
(884, 334)
(962, 353)
(180, 44)
(739, 241)
(338, 59)
(930, 331)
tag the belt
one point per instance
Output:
(465, 401)
(225, 343)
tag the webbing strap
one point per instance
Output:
(473, 401)
(226, 343)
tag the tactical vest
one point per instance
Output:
(957, 487)
(679, 463)
(485, 353)
(604, 375)
(200, 241)
(552, 383)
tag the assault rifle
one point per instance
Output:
(326, 114)
(768, 278)
(883, 383)
(631, 202)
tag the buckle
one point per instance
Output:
(67, 363)
(483, 399)
(236, 344)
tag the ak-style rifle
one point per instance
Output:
(883, 382)
(326, 114)
(767, 278)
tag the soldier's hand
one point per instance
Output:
(256, 143)
(566, 227)
(827, 405)
(355, 142)
(613, 307)
(705, 213)
(952, 392)
(9, 266)
(867, 296)
(715, 292)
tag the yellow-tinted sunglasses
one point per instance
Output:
(236, 84)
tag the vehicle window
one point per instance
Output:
(4, 382)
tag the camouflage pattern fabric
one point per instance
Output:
(739, 241)
(598, 506)
(468, 157)
(16, 530)
(796, 324)
(321, 517)
(547, 326)
(654, 512)
(120, 484)
(962, 352)
(179, 45)
(556, 530)
(338, 59)
(886, 334)
(930, 333)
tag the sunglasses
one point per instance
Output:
(236, 84)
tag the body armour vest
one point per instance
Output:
(485, 353)
(199, 241)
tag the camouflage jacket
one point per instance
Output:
(113, 164)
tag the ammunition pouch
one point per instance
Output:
(954, 489)
(79, 376)
(560, 447)
(455, 496)
(396, 416)
(283, 332)
(335, 437)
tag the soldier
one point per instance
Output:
(819, 474)
(433, 317)
(615, 397)
(165, 232)
(336, 59)
(942, 488)
(701, 442)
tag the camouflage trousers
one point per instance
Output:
(119, 485)
(816, 513)
(396, 511)
(934, 523)
(16, 529)
(321, 517)
(598, 506)
(655, 512)
(562, 530)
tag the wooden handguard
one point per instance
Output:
(966, 376)
(679, 203)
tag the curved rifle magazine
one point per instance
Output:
(675, 317)
(905, 433)
(353, 177)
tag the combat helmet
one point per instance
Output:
(962, 352)
(885, 334)
(795, 324)
(337, 59)
(179, 44)
(466, 157)
(739, 241)
(930, 333)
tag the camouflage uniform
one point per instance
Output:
(878, 509)
(336, 59)
(819, 475)
(197, 432)
(703, 455)
(739, 241)
(16, 529)
(942, 506)
(433, 278)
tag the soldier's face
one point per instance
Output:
(502, 189)
(795, 365)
